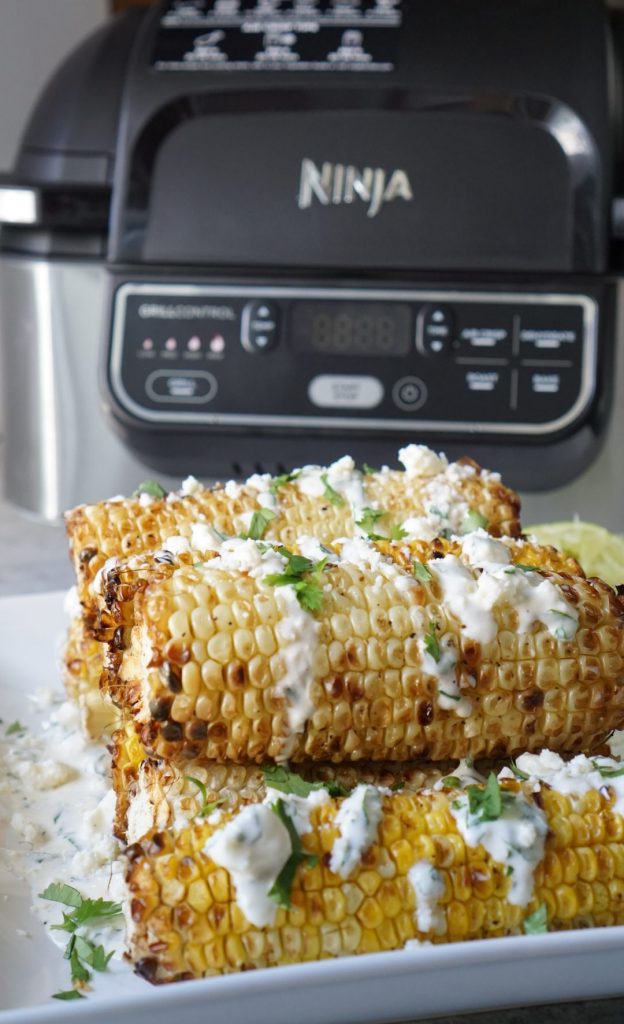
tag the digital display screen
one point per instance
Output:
(352, 328)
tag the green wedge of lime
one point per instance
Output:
(600, 552)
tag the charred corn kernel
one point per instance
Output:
(335, 697)
(366, 913)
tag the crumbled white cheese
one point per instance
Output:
(342, 477)
(253, 847)
(357, 821)
(482, 551)
(145, 499)
(191, 486)
(419, 460)
(205, 538)
(176, 545)
(262, 483)
(28, 830)
(233, 490)
(45, 774)
(428, 886)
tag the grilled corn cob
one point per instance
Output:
(217, 667)
(151, 793)
(421, 878)
(120, 528)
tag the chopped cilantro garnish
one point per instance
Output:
(537, 922)
(207, 806)
(285, 478)
(278, 777)
(397, 532)
(151, 487)
(281, 889)
(421, 572)
(564, 615)
(526, 568)
(15, 729)
(396, 787)
(304, 576)
(259, 522)
(486, 804)
(68, 994)
(451, 782)
(368, 470)
(330, 493)
(432, 646)
(80, 951)
(369, 517)
(473, 520)
(450, 696)
(606, 772)
(58, 892)
(517, 772)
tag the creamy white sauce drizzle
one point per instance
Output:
(516, 839)
(253, 848)
(299, 808)
(573, 778)
(428, 886)
(358, 821)
(471, 597)
(449, 695)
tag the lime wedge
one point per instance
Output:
(600, 552)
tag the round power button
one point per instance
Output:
(409, 393)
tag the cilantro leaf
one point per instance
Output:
(95, 910)
(259, 522)
(607, 772)
(58, 892)
(285, 478)
(421, 572)
(208, 806)
(330, 493)
(449, 696)
(281, 889)
(525, 568)
(15, 728)
(397, 532)
(369, 470)
(369, 517)
(278, 777)
(451, 782)
(68, 995)
(486, 804)
(537, 922)
(308, 590)
(432, 646)
(151, 487)
(473, 520)
(78, 971)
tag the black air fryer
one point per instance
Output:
(318, 227)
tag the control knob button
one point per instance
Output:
(259, 326)
(434, 329)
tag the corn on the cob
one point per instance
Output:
(120, 528)
(206, 669)
(184, 919)
(151, 793)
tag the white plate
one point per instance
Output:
(379, 987)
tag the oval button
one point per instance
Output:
(194, 386)
(342, 391)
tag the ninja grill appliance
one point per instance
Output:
(245, 235)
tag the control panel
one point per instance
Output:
(493, 363)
